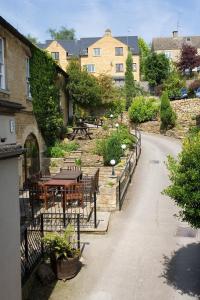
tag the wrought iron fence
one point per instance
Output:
(31, 204)
(126, 175)
(31, 238)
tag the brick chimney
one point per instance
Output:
(175, 33)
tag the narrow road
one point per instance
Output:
(147, 254)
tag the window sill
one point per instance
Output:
(4, 91)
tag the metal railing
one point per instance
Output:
(31, 205)
(126, 175)
(31, 238)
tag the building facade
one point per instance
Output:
(99, 55)
(15, 53)
(171, 46)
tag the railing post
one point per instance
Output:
(78, 231)
(129, 169)
(26, 243)
(119, 194)
(95, 209)
(64, 215)
(42, 231)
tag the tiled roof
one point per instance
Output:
(79, 47)
(174, 43)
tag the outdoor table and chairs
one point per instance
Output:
(82, 130)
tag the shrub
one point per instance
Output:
(143, 109)
(173, 84)
(112, 150)
(167, 115)
(124, 136)
(193, 87)
(60, 149)
(185, 184)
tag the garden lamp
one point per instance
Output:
(117, 126)
(111, 117)
(123, 146)
(113, 162)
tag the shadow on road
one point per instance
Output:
(182, 270)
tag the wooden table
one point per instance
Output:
(82, 130)
(58, 182)
(68, 175)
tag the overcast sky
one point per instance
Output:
(146, 18)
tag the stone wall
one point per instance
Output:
(186, 111)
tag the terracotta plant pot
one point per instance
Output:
(65, 268)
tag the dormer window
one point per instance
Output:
(2, 65)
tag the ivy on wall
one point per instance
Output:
(45, 94)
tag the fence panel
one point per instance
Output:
(125, 177)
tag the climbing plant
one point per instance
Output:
(45, 94)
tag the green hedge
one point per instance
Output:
(143, 109)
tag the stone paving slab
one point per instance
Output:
(103, 218)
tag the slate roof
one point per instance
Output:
(174, 43)
(79, 47)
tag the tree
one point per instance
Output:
(32, 39)
(157, 68)
(189, 59)
(185, 183)
(144, 52)
(62, 34)
(173, 84)
(167, 115)
(107, 89)
(83, 87)
(129, 80)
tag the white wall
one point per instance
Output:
(10, 269)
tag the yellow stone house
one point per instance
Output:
(99, 55)
(171, 46)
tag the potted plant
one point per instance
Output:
(64, 256)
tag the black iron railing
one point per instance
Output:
(31, 238)
(126, 175)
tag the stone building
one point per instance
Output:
(99, 55)
(15, 52)
(171, 46)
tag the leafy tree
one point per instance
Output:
(144, 52)
(32, 39)
(129, 80)
(107, 89)
(84, 88)
(185, 183)
(167, 115)
(173, 84)
(157, 67)
(62, 34)
(45, 94)
(189, 59)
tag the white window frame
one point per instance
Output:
(121, 52)
(168, 54)
(28, 87)
(2, 69)
(91, 68)
(134, 67)
(96, 51)
(54, 54)
(121, 70)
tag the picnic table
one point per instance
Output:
(83, 130)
